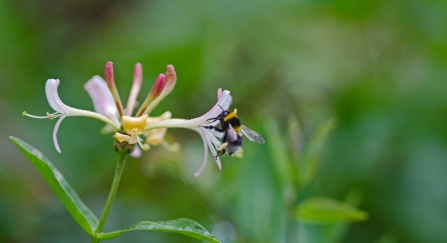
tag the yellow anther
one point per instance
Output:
(50, 115)
(145, 147)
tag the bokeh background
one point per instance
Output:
(379, 67)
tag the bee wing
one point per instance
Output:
(252, 135)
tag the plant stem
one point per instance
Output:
(116, 181)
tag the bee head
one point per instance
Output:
(227, 112)
(224, 112)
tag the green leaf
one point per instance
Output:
(181, 226)
(329, 233)
(81, 213)
(283, 165)
(310, 161)
(323, 210)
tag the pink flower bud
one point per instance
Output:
(110, 78)
(162, 87)
(156, 90)
(111, 84)
(159, 85)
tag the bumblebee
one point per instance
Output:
(233, 131)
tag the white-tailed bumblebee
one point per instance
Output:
(233, 131)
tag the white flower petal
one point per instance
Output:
(216, 133)
(223, 102)
(102, 98)
(56, 103)
(204, 133)
(56, 128)
(211, 137)
(213, 152)
(53, 97)
(212, 143)
(205, 159)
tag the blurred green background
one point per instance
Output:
(379, 67)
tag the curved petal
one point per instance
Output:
(102, 98)
(212, 143)
(205, 160)
(223, 102)
(53, 97)
(56, 103)
(213, 152)
(56, 128)
(212, 138)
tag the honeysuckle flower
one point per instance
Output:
(129, 129)
(109, 109)
(209, 136)
(63, 110)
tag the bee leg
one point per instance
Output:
(213, 127)
(211, 120)
(223, 146)
(221, 150)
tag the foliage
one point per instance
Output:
(86, 219)
(377, 66)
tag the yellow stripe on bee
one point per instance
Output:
(230, 116)
(238, 130)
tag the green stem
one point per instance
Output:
(116, 181)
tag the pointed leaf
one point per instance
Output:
(181, 226)
(285, 171)
(310, 161)
(329, 233)
(323, 210)
(80, 212)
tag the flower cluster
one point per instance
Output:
(128, 130)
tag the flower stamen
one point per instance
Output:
(145, 146)
(48, 116)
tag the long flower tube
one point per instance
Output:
(209, 137)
